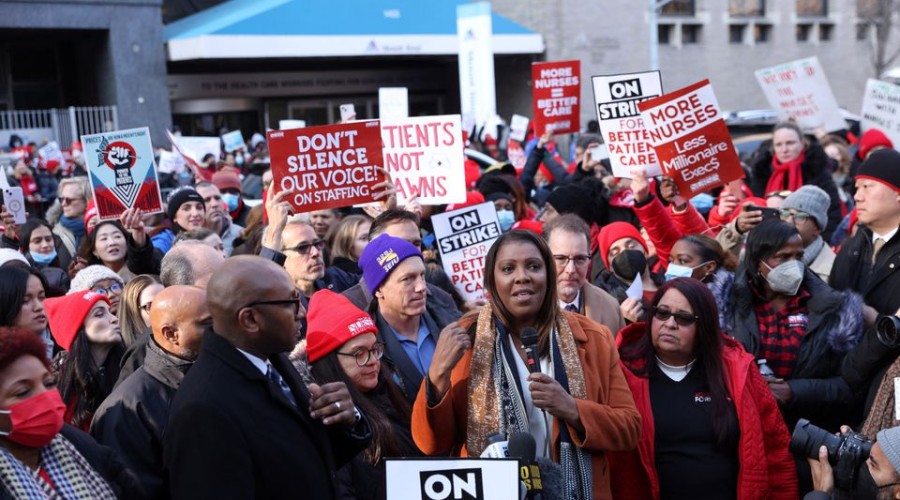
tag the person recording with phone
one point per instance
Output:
(480, 383)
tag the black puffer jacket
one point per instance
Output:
(816, 171)
(834, 327)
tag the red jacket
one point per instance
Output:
(665, 226)
(767, 470)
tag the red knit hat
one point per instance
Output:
(332, 320)
(473, 173)
(472, 198)
(614, 232)
(535, 226)
(90, 211)
(872, 138)
(66, 314)
(225, 179)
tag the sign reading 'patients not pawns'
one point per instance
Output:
(327, 167)
(556, 95)
(464, 237)
(691, 139)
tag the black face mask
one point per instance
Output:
(628, 264)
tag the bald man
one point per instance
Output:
(132, 419)
(242, 424)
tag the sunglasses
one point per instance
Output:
(303, 248)
(65, 201)
(787, 214)
(682, 318)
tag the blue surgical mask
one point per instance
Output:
(231, 201)
(42, 259)
(239, 160)
(677, 271)
(506, 219)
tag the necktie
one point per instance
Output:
(279, 382)
(879, 243)
(571, 308)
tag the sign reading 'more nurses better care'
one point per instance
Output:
(691, 139)
(464, 237)
(556, 94)
(327, 167)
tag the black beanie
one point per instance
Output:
(882, 166)
(179, 197)
(493, 183)
(574, 199)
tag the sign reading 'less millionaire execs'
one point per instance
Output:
(691, 140)
(881, 109)
(122, 171)
(556, 95)
(464, 237)
(617, 98)
(799, 91)
(327, 167)
(425, 155)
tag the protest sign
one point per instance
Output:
(477, 90)
(171, 162)
(518, 128)
(233, 141)
(556, 95)
(348, 112)
(617, 98)
(198, 147)
(289, 124)
(51, 152)
(393, 102)
(881, 109)
(425, 154)
(688, 133)
(515, 153)
(464, 237)
(122, 171)
(799, 91)
(329, 166)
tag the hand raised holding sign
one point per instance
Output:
(385, 193)
(278, 211)
(640, 186)
(132, 220)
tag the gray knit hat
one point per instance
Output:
(90, 275)
(812, 200)
(889, 439)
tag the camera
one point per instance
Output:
(887, 329)
(846, 452)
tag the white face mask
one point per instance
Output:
(677, 271)
(786, 277)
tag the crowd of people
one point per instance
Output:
(654, 346)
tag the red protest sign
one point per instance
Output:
(330, 166)
(556, 96)
(688, 134)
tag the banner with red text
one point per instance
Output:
(425, 155)
(330, 166)
(556, 96)
(617, 98)
(690, 138)
(464, 237)
(799, 91)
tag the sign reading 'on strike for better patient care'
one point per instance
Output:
(691, 139)
(327, 167)
(556, 95)
(464, 237)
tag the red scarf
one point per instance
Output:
(791, 170)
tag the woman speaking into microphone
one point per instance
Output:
(479, 382)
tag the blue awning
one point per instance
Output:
(240, 29)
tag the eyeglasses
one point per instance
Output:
(115, 288)
(145, 307)
(281, 302)
(796, 216)
(780, 194)
(563, 260)
(65, 201)
(363, 356)
(682, 318)
(303, 248)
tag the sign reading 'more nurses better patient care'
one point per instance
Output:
(327, 167)
(556, 95)
(424, 155)
(464, 237)
(617, 98)
(799, 91)
(691, 139)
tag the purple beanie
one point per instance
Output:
(381, 256)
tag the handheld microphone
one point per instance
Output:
(529, 342)
(498, 447)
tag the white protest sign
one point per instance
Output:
(348, 112)
(477, 92)
(171, 162)
(198, 147)
(393, 102)
(799, 91)
(617, 98)
(233, 141)
(518, 128)
(425, 154)
(464, 237)
(881, 109)
(457, 478)
(51, 151)
(291, 124)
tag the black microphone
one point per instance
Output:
(529, 342)
(542, 478)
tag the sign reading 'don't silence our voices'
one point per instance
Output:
(556, 95)
(330, 166)
(691, 139)
(464, 237)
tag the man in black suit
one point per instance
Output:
(242, 424)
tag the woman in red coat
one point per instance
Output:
(710, 426)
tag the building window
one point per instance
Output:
(762, 33)
(812, 8)
(862, 32)
(678, 8)
(690, 33)
(745, 8)
(736, 33)
(803, 32)
(665, 33)
(867, 9)
(825, 32)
